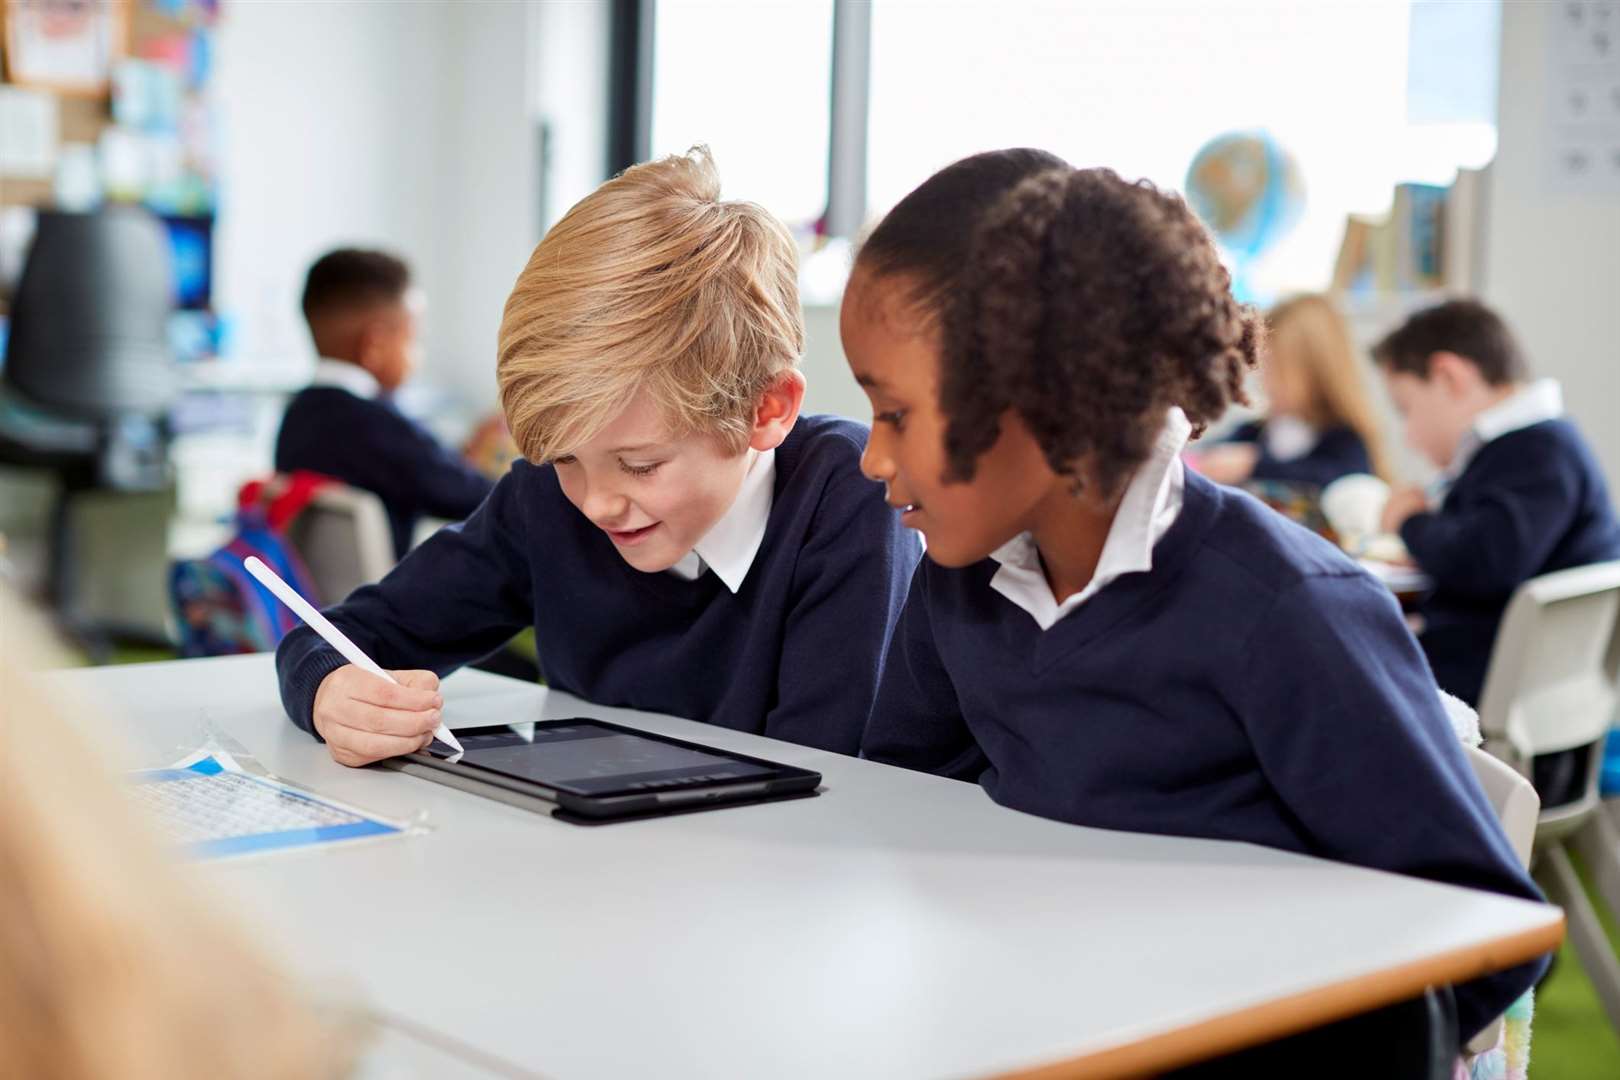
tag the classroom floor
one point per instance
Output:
(1571, 1040)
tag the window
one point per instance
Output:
(751, 79)
(1142, 86)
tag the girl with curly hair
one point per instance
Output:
(1097, 634)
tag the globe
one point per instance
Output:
(1247, 190)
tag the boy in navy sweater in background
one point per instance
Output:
(1524, 495)
(1098, 635)
(681, 539)
(359, 307)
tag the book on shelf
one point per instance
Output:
(1462, 252)
(1427, 243)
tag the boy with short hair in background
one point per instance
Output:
(361, 313)
(1524, 496)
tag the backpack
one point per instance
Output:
(219, 607)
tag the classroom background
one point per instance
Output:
(1389, 153)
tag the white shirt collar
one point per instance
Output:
(345, 376)
(1151, 504)
(1540, 401)
(729, 547)
(1535, 403)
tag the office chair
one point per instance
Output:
(89, 376)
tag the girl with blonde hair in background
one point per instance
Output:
(1320, 423)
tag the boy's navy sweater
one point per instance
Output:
(1255, 685)
(795, 653)
(1529, 502)
(1338, 452)
(369, 444)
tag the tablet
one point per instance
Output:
(592, 771)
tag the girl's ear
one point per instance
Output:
(777, 410)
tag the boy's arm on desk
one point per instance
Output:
(1490, 543)
(458, 596)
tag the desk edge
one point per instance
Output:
(1286, 1016)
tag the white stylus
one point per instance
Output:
(331, 634)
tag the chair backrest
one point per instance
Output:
(89, 321)
(1513, 798)
(343, 538)
(1518, 808)
(1551, 684)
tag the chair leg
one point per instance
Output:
(1557, 877)
(1598, 845)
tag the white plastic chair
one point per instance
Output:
(344, 540)
(1514, 799)
(1517, 806)
(1552, 686)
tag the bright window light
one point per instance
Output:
(1141, 85)
(752, 79)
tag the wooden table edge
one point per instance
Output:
(1250, 1027)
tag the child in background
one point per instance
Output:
(1097, 635)
(111, 963)
(1524, 495)
(1320, 423)
(360, 309)
(681, 539)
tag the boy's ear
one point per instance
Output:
(777, 410)
(1455, 374)
(373, 344)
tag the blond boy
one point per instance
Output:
(680, 537)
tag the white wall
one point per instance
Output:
(487, 209)
(400, 125)
(330, 119)
(1553, 260)
(829, 387)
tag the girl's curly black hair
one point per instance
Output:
(1087, 303)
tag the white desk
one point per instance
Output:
(899, 925)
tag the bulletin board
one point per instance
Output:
(108, 101)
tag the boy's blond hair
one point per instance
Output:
(650, 282)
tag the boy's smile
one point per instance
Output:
(627, 537)
(653, 493)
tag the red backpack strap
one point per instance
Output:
(250, 494)
(301, 488)
(278, 499)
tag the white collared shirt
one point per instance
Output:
(1535, 403)
(345, 376)
(729, 547)
(1151, 504)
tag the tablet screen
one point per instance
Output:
(587, 759)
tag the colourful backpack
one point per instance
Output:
(220, 608)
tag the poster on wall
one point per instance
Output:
(1583, 97)
(68, 46)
